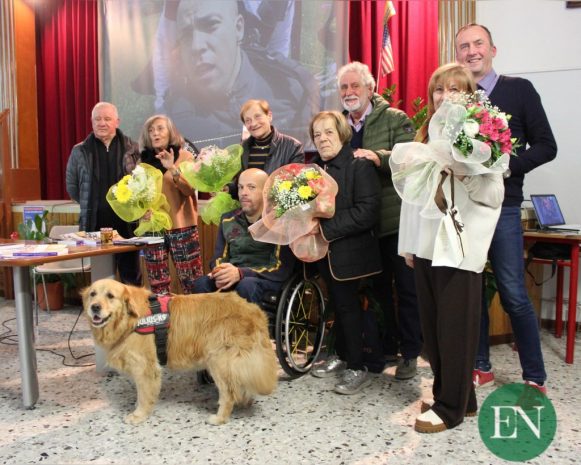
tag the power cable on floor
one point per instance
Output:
(9, 338)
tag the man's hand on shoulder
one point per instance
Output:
(225, 275)
(370, 155)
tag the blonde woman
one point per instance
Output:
(450, 297)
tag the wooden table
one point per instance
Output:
(573, 241)
(102, 266)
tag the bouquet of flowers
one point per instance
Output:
(210, 172)
(482, 123)
(295, 196)
(467, 135)
(138, 193)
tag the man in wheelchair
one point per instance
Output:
(240, 263)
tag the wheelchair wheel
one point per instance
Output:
(300, 325)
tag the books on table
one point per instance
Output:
(40, 250)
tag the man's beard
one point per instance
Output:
(353, 106)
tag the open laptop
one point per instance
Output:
(549, 214)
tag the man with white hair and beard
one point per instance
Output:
(376, 129)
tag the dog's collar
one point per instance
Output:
(157, 322)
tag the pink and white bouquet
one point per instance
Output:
(295, 196)
(482, 123)
(467, 136)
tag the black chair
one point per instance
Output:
(297, 322)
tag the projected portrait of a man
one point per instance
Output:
(217, 67)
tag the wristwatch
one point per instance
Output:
(507, 173)
(175, 173)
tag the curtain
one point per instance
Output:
(453, 15)
(67, 67)
(414, 38)
(67, 82)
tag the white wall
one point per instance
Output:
(540, 40)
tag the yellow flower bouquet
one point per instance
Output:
(136, 194)
(295, 196)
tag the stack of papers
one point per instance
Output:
(139, 240)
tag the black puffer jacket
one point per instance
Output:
(354, 248)
(80, 175)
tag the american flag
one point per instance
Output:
(386, 58)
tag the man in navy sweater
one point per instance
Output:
(517, 97)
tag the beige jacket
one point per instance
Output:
(180, 196)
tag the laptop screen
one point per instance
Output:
(547, 210)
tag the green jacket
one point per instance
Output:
(254, 259)
(384, 127)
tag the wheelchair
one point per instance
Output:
(297, 322)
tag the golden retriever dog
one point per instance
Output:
(220, 332)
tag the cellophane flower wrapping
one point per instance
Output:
(461, 134)
(467, 136)
(138, 192)
(295, 197)
(217, 206)
(213, 169)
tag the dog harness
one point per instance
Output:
(157, 322)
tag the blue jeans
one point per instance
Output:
(506, 257)
(251, 289)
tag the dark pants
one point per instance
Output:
(129, 267)
(348, 324)
(405, 330)
(506, 257)
(251, 289)
(449, 301)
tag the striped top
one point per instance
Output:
(259, 151)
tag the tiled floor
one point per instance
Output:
(79, 418)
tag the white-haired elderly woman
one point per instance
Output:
(353, 248)
(162, 146)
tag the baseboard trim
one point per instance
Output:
(509, 338)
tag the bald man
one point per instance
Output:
(240, 263)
